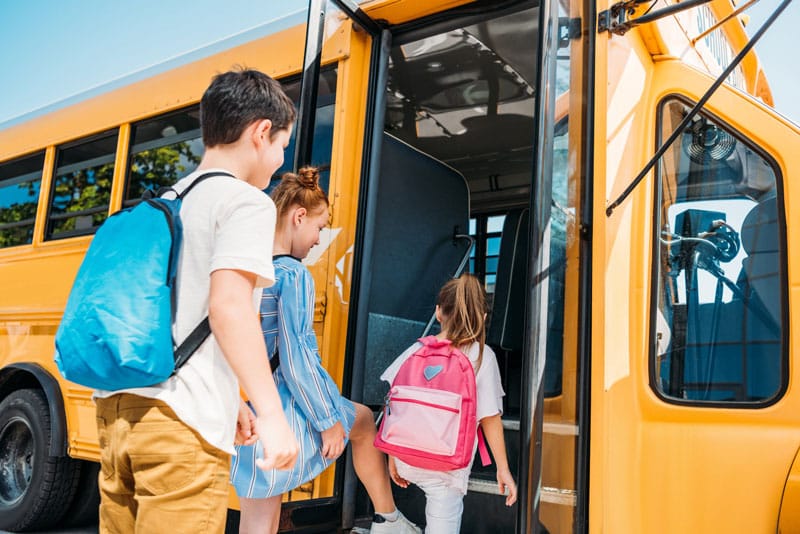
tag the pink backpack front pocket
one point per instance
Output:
(424, 419)
(429, 417)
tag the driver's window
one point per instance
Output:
(719, 306)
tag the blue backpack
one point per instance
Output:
(116, 332)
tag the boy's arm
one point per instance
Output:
(493, 432)
(236, 328)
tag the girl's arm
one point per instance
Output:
(396, 478)
(308, 382)
(493, 432)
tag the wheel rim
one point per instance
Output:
(16, 460)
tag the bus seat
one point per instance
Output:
(508, 306)
(420, 204)
(761, 282)
(761, 267)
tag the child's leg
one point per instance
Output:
(259, 516)
(369, 462)
(443, 508)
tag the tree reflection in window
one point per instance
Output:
(20, 181)
(719, 318)
(82, 186)
(163, 150)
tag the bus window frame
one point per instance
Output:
(133, 149)
(24, 179)
(743, 137)
(48, 237)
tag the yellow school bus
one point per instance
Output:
(615, 175)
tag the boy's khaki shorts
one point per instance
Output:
(157, 474)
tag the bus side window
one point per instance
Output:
(20, 182)
(719, 308)
(81, 187)
(163, 150)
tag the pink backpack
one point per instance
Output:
(429, 417)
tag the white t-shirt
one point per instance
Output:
(489, 390)
(227, 224)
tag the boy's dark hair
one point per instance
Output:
(237, 98)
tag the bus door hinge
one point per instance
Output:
(568, 29)
(616, 18)
(320, 308)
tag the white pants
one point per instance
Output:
(443, 508)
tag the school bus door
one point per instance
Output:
(345, 39)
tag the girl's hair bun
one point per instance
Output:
(308, 177)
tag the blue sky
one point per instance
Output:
(55, 49)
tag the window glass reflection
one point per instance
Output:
(20, 182)
(719, 317)
(163, 150)
(82, 186)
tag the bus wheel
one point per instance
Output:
(35, 488)
(85, 507)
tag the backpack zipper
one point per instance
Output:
(423, 403)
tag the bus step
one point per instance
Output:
(564, 429)
(564, 497)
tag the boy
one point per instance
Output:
(165, 449)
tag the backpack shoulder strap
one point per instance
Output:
(202, 330)
(191, 343)
(201, 178)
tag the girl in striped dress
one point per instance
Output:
(321, 418)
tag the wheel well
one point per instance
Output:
(32, 376)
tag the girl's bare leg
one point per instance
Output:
(369, 462)
(260, 516)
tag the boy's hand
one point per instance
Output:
(244, 426)
(397, 479)
(333, 441)
(506, 482)
(280, 445)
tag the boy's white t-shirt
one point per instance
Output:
(227, 224)
(489, 392)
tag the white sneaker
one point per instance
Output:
(401, 525)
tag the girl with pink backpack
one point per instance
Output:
(445, 397)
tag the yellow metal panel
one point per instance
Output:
(659, 467)
(400, 11)
(344, 185)
(44, 195)
(120, 168)
(789, 520)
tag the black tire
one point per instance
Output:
(35, 488)
(85, 507)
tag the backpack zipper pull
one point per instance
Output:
(386, 401)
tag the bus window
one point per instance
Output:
(163, 150)
(20, 181)
(81, 186)
(483, 259)
(322, 142)
(720, 265)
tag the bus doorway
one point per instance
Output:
(453, 192)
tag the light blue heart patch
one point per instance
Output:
(432, 370)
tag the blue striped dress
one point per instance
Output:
(311, 400)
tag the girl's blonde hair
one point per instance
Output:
(462, 306)
(301, 189)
